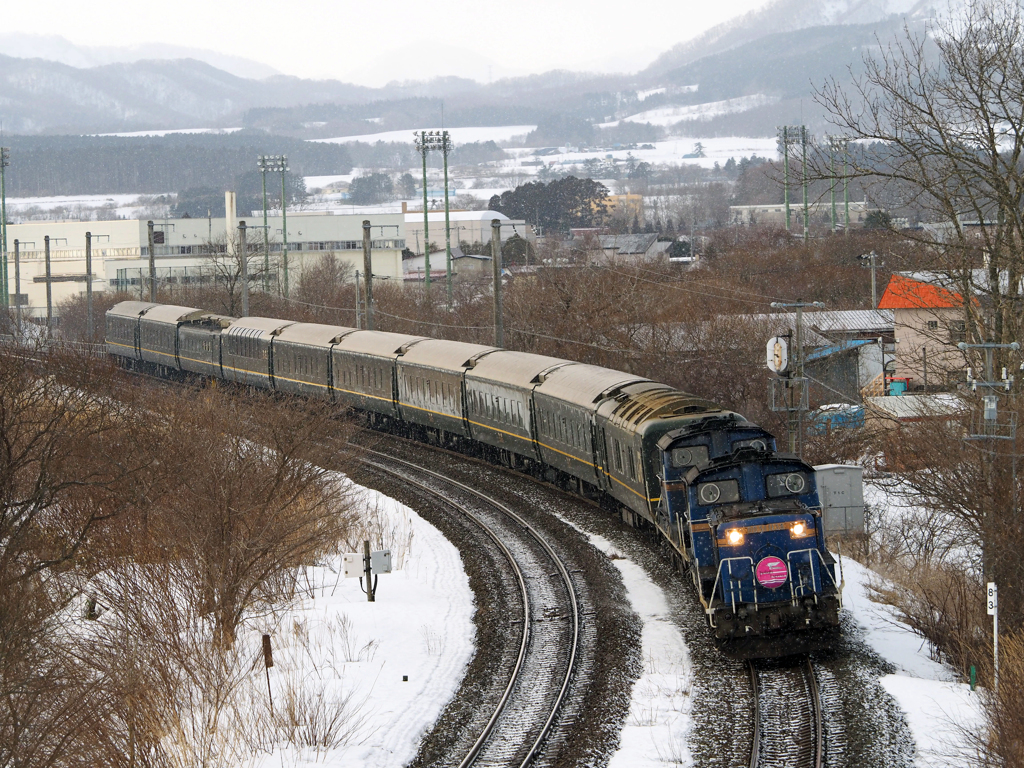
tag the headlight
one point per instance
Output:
(798, 529)
(734, 536)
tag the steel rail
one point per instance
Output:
(817, 726)
(755, 751)
(566, 579)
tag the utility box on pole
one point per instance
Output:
(841, 492)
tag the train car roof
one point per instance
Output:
(130, 308)
(650, 401)
(257, 326)
(443, 355)
(377, 343)
(170, 313)
(585, 385)
(521, 369)
(313, 334)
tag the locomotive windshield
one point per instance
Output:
(787, 484)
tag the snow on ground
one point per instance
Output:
(81, 206)
(667, 116)
(163, 132)
(655, 733)
(938, 709)
(420, 626)
(466, 135)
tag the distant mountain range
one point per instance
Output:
(50, 86)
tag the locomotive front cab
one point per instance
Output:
(694, 446)
(756, 527)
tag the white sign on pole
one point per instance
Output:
(993, 598)
(778, 354)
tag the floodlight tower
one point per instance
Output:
(440, 141)
(423, 144)
(273, 164)
(794, 134)
(5, 160)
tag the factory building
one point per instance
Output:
(189, 251)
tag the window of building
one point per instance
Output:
(933, 325)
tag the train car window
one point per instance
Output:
(787, 484)
(618, 455)
(718, 492)
(689, 457)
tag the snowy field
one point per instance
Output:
(162, 132)
(466, 135)
(666, 116)
(358, 653)
(83, 206)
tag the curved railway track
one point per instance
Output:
(519, 729)
(788, 726)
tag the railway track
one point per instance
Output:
(788, 726)
(521, 728)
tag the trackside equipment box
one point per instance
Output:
(841, 490)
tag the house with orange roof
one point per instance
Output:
(928, 323)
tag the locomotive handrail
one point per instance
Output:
(812, 552)
(729, 560)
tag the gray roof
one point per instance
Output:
(846, 321)
(442, 354)
(584, 384)
(313, 334)
(628, 244)
(517, 368)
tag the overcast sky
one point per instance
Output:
(373, 42)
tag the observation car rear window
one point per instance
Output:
(787, 484)
(718, 492)
(689, 457)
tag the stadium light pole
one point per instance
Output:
(420, 139)
(441, 142)
(5, 160)
(263, 163)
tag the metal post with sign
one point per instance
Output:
(355, 565)
(993, 611)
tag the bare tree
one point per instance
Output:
(939, 120)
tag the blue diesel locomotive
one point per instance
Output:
(743, 520)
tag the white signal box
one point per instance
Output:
(353, 567)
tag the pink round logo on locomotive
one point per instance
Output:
(772, 572)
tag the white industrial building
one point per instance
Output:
(465, 226)
(185, 251)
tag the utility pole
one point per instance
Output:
(49, 288)
(243, 254)
(446, 146)
(17, 282)
(785, 172)
(88, 286)
(803, 170)
(798, 399)
(871, 260)
(989, 428)
(358, 326)
(423, 146)
(499, 331)
(368, 275)
(152, 263)
(5, 160)
(283, 167)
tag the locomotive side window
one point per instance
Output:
(718, 492)
(788, 484)
(689, 457)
